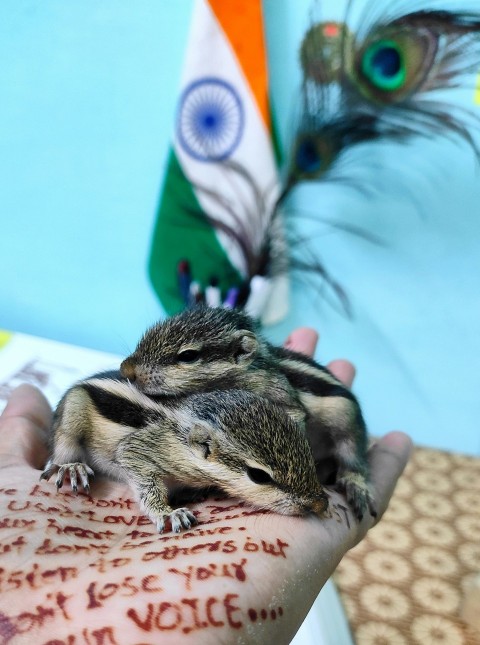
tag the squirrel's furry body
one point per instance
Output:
(206, 401)
(232, 440)
(206, 349)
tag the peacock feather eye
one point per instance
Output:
(323, 51)
(383, 64)
(392, 65)
(312, 156)
(308, 159)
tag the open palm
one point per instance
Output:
(92, 570)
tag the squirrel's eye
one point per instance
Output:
(188, 356)
(259, 476)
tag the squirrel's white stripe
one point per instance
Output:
(310, 370)
(125, 390)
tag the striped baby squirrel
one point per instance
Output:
(207, 349)
(233, 440)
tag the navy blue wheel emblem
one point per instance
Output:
(210, 120)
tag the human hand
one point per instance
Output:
(86, 570)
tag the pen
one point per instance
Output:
(184, 280)
(213, 296)
(195, 296)
(231, 298)
(260, 288)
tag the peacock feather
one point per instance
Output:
(389, 79)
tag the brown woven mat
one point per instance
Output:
(404, 583)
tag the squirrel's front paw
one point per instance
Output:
(357, 491)
(75, 470)
(180, 518)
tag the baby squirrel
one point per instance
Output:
(233, 440)
(207, 349)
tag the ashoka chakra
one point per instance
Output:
(210, 120)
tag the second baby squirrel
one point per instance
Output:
(207, 349)
(233, 440)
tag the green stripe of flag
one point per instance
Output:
(182, 233)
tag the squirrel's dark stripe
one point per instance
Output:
(315, 385)
(307, 382)
(282, 352)
(117, 408)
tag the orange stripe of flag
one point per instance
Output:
(242, 22)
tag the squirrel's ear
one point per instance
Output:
(245, 346)
(202, 440)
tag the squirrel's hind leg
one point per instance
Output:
(341, 419)
(353, 472)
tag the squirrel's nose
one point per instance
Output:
(127, 369)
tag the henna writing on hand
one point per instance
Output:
(66, 538)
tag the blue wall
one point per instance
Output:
(87, 102)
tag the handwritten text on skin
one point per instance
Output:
(81, 532)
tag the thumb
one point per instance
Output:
(388, 458)
(23, 426)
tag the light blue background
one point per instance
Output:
(87, 99)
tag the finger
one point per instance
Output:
(29, 403)
(343, 370)
(388, 458)
(303, 340)
(24, 424)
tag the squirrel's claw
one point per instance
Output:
(357, 491)
(49, 470)
(180, 518)
(75, 471)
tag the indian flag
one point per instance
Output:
(221, 182)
